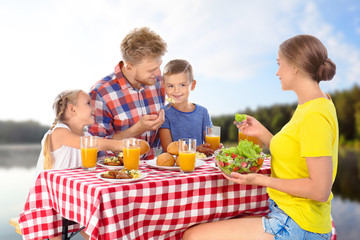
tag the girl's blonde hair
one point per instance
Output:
(61, 102)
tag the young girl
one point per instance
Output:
(304, 155)
(61, 144)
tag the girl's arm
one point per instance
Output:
(62, 136)
(316, 187)
(165, 138)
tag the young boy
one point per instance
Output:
(182, 118)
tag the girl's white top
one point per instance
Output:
(64, 157)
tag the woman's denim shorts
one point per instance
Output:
(279, 224)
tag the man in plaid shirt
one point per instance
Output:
(128, 102)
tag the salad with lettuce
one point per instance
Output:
(247, 157)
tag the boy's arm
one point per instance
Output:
(165, 138)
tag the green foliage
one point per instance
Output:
(21, 132)
(274, 117)
(347, 182)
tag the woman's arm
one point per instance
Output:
(316, 187)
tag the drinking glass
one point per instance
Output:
(255, 140)
(213, 136)
(88, 152)
(131, 153)
(187, 154)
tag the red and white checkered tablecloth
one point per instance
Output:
(157, 207)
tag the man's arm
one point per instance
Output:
(149, 122)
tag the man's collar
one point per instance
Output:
(123, 81)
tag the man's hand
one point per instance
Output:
(151, 122)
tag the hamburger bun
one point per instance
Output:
(144, 147)
(173, 148)
(165, 159)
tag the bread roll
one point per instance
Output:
(173, 148)
(144, 147)
(165, 159)
(177, 161)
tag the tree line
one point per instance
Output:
(347, 103)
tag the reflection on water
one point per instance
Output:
(17, 169)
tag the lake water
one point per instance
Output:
(17, 169)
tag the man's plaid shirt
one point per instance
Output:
(118, 106)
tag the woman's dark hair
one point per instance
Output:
(310, 55)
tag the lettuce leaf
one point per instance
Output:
(240, 117)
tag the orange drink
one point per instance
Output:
(214, 141)
(88, 152)
(255, 140)
(187, 154)
(187, 161)
(131, 158)
(89, 157)
(212, 136)
(131, 153)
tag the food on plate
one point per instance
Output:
(144, 147)
(170, 100)
(240, 117)
(200, 155)
(114, 160)
(245, 158)
(173, 148)
(205, 150)
(165, 159)
(121, 174)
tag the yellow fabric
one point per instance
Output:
(312, 132)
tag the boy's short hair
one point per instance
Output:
(140, 44)
(177, 66)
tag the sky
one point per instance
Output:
(48, 46)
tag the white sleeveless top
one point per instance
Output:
(64, 157)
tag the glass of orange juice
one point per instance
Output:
(131, 153)
(213, 136)
(255, 140)
(187, 154)
(88, 152)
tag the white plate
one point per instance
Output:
(101, 163)
(142, 176)
(206, 158)
(152, 163)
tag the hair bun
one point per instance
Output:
(326, 70)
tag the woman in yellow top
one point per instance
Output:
(304, 156)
